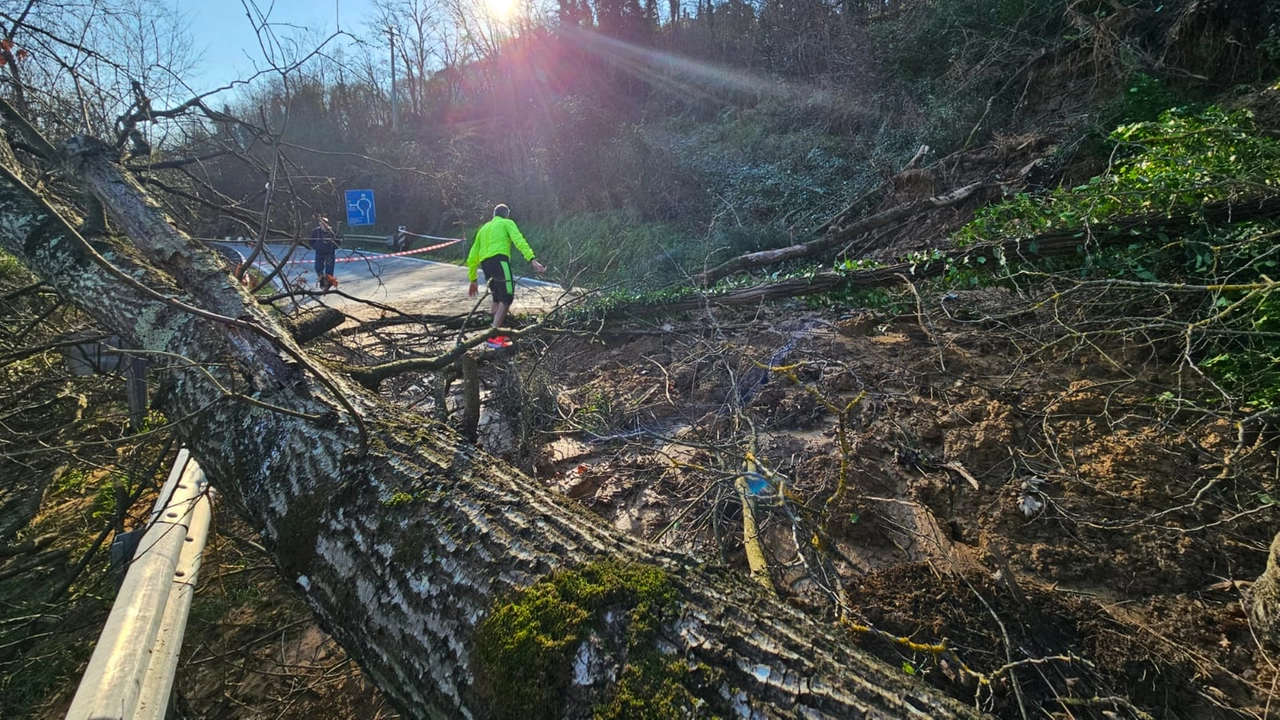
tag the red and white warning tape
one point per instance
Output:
(428, 237)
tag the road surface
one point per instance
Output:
(410, 284)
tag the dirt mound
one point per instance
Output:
(1077, 540)
(1007, 164)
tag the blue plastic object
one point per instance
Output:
(758, 484)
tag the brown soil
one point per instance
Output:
(1078, 542)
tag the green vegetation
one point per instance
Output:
(602, 248)
(1178, 165)
(605, 302)
(154, 420)
(650, 688)
(525, 647)
(71, 481)
(1145, 98)
(110, 495)
(397, 498)
(1211, 270)
(764, 163)
(12, 271)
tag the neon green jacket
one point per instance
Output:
(495, 238)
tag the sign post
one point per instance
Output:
(360, 208)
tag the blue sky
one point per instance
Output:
(223, 33)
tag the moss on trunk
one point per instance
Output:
(526, 647)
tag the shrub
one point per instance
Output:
(1206, 279)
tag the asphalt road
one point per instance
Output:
(410, 284)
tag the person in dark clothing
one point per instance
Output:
(325, 244)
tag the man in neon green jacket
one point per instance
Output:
(491, 252)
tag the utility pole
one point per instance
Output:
(395, 119)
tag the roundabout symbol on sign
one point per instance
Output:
(360, 208)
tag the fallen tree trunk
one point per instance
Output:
(313, 323)
(837, 234)
(449, 322)
(1050, 244)
(401, 537)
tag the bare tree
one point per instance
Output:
(423, 43)
(82, 58)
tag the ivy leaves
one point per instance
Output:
(1175, 165)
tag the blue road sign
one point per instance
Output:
(360, 208)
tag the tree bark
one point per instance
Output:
(1264, 598)
(470, 421)
(314, 323)
(837, 234)
(320, 467)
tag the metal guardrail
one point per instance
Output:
(130, 675)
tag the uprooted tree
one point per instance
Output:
(461, 587)
(446, 573)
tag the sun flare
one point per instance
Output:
(502, 10)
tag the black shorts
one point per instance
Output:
(497, 271)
